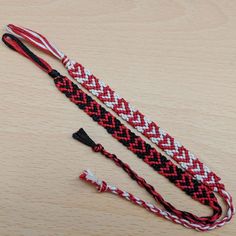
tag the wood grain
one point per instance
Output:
(174, 60)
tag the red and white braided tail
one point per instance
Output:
(103, 186)
(187, 160)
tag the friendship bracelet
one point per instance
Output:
(187, 160)
(125, 110)
(102, 186)
(181, 179)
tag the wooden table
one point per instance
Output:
(174, 60)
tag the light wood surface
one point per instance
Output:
(174, 60)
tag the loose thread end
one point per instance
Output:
(15, 44)
(89, 177)
(35, 39)
(9, 27)
(83, 137)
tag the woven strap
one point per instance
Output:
(125, 110)
(181, 179)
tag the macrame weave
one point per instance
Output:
(198, 188)
(125, 110)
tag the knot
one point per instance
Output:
(98, 148)
(64, 60)
(102, 187)
(54, 73)
(68, 63)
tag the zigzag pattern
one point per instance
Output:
(201, 191)
(151, 130)
(171, 213)
(143, 150)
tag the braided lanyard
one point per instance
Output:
(196, 189)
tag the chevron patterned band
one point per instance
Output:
(125, 110)
(197, 180)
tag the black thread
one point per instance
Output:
(35, 58)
